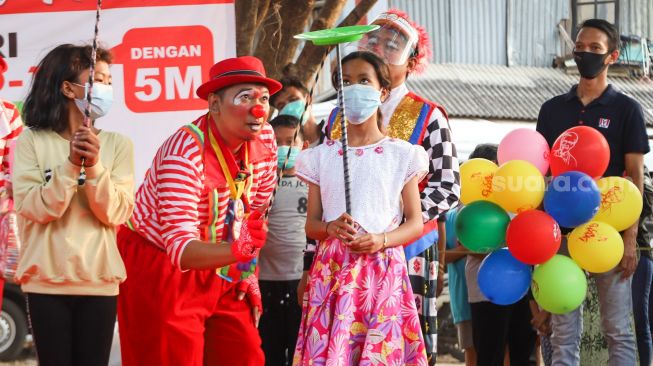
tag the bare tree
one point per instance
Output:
(311, 56)
(265, 28)
(276, 44)
(249, 16)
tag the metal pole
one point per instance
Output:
(343, 128)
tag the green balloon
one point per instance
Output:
(481, 226)
(559, 285)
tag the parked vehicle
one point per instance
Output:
(14, 328)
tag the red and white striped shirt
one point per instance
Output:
(172, 204)
(11, 125)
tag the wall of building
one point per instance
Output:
(507, 32)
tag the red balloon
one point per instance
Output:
(580, 148)
(258, 111)
(533, 237)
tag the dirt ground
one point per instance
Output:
(29, 360)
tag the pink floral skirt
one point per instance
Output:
(359, 310)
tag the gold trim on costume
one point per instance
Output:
(402, 123)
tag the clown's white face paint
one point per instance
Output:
(252, 97)
(235, 116)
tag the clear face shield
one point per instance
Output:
(394, 41)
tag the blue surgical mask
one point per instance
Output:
(101, 100)
(295, 109)
(361, 102)
(282, 154)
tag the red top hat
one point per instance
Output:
(238, 70)
(3, 65)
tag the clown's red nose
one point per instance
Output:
(258, 111)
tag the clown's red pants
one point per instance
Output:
(172, 318)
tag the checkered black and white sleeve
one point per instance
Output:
(443, 189)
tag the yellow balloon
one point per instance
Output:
(596, 246)
(476, 180)
(518, 186)
(621, 202)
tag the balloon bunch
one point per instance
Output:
(596, 210)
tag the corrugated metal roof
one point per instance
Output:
(461, 31)
(532, 31)
(636, 17)
(508, 93)
(478, 32)
(433, 15)
(507, 32)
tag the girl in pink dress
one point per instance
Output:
(358, 305)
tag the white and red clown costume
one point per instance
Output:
(169, 316)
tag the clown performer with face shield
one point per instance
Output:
(70, 267)
(404, 46)
(190, 248)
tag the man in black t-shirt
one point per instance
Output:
(595, 103)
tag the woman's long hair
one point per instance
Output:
(46, 107)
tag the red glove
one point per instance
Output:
(252, 238)
(250, 287)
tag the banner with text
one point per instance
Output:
(162, 50)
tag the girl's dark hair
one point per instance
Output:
(380, 69)
(46, 107)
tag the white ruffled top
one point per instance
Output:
(378, 173)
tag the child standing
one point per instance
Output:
(281, 260)
(496, 326)
(456, 259)
(359, 307)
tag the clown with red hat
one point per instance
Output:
(190, 248)
(405, 47)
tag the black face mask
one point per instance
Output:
(590, 64)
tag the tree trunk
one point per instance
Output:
(311, 56)
(249, 16)
(276, 44)
(265, 28)
(357, 13)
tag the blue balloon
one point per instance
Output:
(450, 225)
(572, 199)
(503, 279)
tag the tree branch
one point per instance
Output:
(276, 45)
(249, 16)
(311, 56)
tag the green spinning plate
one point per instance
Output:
(328, 37)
